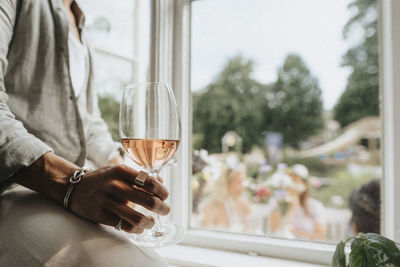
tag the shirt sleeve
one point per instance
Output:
(100, 147)
(18, 148)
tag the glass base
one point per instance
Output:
(168, 233)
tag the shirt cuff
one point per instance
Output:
(102, 155)
(19, 153)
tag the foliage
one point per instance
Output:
(237, 102)
(231, 103)
(296, 105)
(368, 250)
(361, 97)
(109, 108)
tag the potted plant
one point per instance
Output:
(367, 250)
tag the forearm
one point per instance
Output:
(102, 195)
(47, 175)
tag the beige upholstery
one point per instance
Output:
(35, 231)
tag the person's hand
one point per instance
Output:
(104, 196)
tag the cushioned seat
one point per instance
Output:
(36, 231)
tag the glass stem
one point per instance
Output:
(156, 216)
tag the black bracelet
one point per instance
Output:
(74, 179)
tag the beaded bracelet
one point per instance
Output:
(74, 179)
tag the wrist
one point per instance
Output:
(76, 178)
(48, 175)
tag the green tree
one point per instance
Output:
(294, 106)
(361, 96)
(109, 108)
(232, 102)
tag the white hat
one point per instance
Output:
(301, 171)
(280, 180)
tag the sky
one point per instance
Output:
(266, 31)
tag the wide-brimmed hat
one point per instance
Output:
(300, 170)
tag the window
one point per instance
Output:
(285, 118)
(205, 13)
(119, 33)
(177, 46)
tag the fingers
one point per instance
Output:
(154, 186)
(150, 202)
(125, 226)
(151, 184)
(109, 218)
(130, 229)
(133, 221)
(119, 189)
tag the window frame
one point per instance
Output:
(389, 41)
(172, 62)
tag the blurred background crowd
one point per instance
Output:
(245, 194)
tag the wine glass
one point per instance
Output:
(150, 131)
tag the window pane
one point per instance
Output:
(119, 35)
(286, 126)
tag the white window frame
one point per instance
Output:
(171, 44)
(390, 113)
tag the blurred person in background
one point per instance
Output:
(198, 181)
(365, 205)
(228, 209)
(305, 216)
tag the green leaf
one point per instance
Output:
(371, 250)
(339, 258)
(358, 255)
(387, 244)
(383, 250)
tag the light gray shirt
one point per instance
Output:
(38, 108)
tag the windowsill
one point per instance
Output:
(182, 255)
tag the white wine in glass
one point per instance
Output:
(150, 131)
